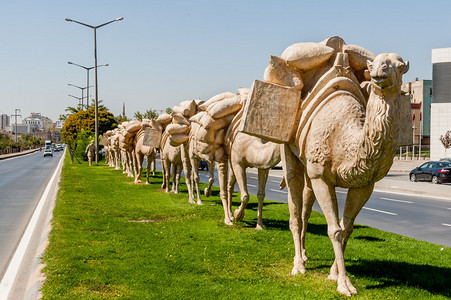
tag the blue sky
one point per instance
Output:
(164, 52)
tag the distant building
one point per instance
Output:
(441, 99)
(4, 121)
(420, 93)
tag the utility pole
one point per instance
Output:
(15, 117)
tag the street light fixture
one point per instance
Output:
(87, 75)
(82, 93)
(95, 68)
(80, 100)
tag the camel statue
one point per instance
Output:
(246, 151)
(346, 136)
(142, 151)
(170, 157)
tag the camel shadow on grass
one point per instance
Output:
(390, 273)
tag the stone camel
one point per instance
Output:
(246, 151)
(142, 151)
(349, 143)
(170, 157)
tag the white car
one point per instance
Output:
(48, 152)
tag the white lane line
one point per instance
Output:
(341, 192)
(449, 208)
(412, 195)
(381, 211)
(444, 224)
(280, 191)
(16, 261)
(396, 200)
(275, 181)
(252, 185)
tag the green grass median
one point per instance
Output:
(112, 238)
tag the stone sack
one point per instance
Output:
(179, 119)
(358, 56)
(191, 106)
(225, 107)
(306, 56)
(177, 129)
(134, 127)
(178, 139)
(279, 72)
(180, 110)
(215, 99)
(164, 118)
(271, 112)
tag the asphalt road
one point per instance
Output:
(421, 217)
(22, 182)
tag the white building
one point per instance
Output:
(441, 101)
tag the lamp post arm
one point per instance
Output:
(70, 20)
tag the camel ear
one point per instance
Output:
(369, 64)
(404, 67)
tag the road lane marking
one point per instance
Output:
(341, 192)
(381, 211)
(444, 224)
(252, 185)
(412, 195)
(396, 200)
(274, 181)
(14, 265)
(280, 191)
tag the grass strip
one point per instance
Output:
(112, 238)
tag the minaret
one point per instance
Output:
(123, 109)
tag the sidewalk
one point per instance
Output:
(11, 155)
(397, 181)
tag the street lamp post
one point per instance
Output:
(82, 93)
(95, 71)
(80, 100)
(87, 76)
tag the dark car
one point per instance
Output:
(203, 166)
(435, 171)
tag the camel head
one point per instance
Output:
(386, 70)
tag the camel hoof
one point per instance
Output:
(238, 214)
(259, 227)
(147, 182)
(207, 192)
(345, 287)
(191, 201)
(298, 267)
(228, 222)
(199, 202)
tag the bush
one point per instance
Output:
(84, 138)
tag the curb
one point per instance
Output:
(11, 155)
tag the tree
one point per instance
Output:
(149, 114)
(168, 110)
(446, 140)
(85, 120)
(120, 118)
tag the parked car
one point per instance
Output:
(446, 159)
(48, 152)
(203, 166)
(434, 171)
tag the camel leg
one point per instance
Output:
(154, 163)
(222, 176)
(262, 179)
(124, 165)
(138, 167)
(177, 177)
(293, 173)
(118, 160)
(355, 200)
(211, 179)
(327, 199)
(163, 185)
(132, 162)
(149, 159)
(195, 162)
(230, 186)
(240, 174)
(187, 170)
(167, 174)
(308, 200)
